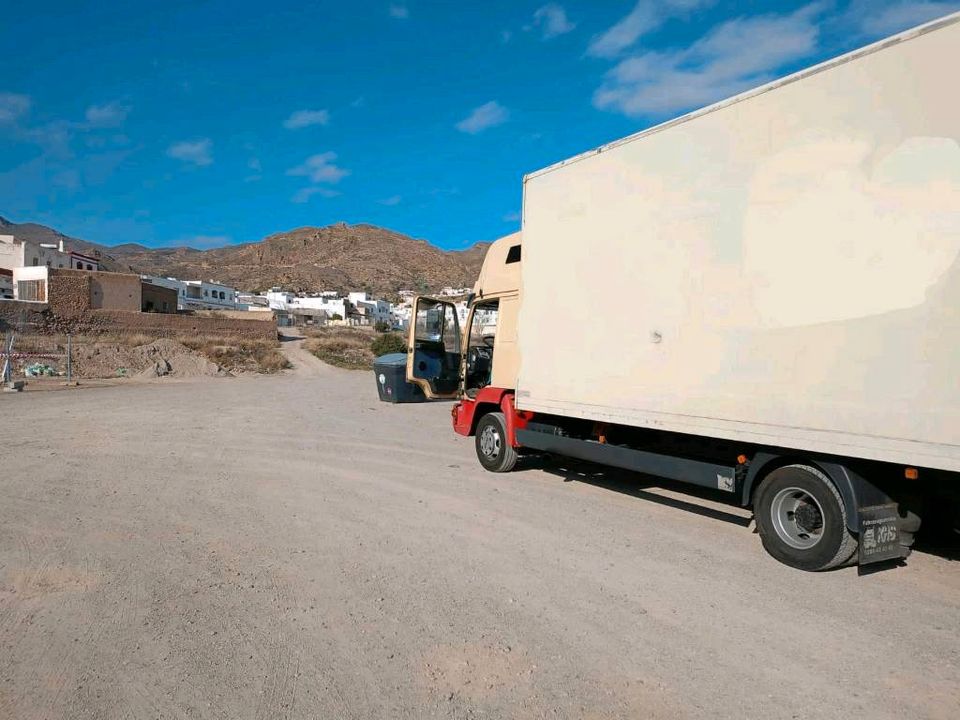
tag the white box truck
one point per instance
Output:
(762, 297)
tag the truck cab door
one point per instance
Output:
(433, 348)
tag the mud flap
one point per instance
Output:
(880, 534)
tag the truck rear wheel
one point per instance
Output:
(493, 450)
(802, 520)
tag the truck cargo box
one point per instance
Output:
(781, 268)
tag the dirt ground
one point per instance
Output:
(288, 547)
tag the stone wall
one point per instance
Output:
(68, 292)
(256, 315)
(41, 319)
(156, 298)
(17, 316)
(162, 325)
(114, 291)
(71, 293)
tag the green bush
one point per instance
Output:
(388, 343)
(381, 326)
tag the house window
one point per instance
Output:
(79, 265)
(32, 290)
(35, 262)
(89, 267)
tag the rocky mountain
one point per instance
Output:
(335, 257)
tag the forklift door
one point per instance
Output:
(433, 348)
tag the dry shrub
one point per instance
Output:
(233, 354)
(259, 356)
(388, 343)
(346, 347)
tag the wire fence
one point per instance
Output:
(26, 356)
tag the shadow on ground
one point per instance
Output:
(935, 537)
(637, 485)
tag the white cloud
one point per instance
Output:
(552, 21)
(647, 15)
(886, 18)
(54, 137)
(306, 118)
(110, 115)
(13, 106)
(392, 200)
(197, 152)
(400, 12)
(512, 217)
(505, 36)
(67, 178)
(731, 57)
(320, 168)
(303, 195)
(483, 117)
(254, 165)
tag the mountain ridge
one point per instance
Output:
(310, 258)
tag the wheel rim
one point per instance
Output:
(490, 442)
(797, 518)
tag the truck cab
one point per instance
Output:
(473, 358)
(452, 356)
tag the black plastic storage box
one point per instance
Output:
(390, 372)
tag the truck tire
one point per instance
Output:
(802, 519)
(493, 450)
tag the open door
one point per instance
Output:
(433, 348)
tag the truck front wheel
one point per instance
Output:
(493, 450)
(802, 520)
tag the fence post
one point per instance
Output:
(8, 359)
(69, 359)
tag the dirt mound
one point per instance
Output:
(156, 359)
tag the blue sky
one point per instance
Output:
(207, 123)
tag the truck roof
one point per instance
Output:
(794, 77)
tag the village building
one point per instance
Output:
(16, 253)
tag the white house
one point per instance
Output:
(374, 311)
(30, 283)
(253, 302)
(277, 299)
(82, 261)
(203, 295)
(15, 253)
(401, 316)
(330, 304)
(6, 284)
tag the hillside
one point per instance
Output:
(338, 256)
(42, 234)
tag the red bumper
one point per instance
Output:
(465, 413)
(462, 414)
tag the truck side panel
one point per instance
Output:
(783, 270)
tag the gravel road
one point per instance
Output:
(288, 547)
